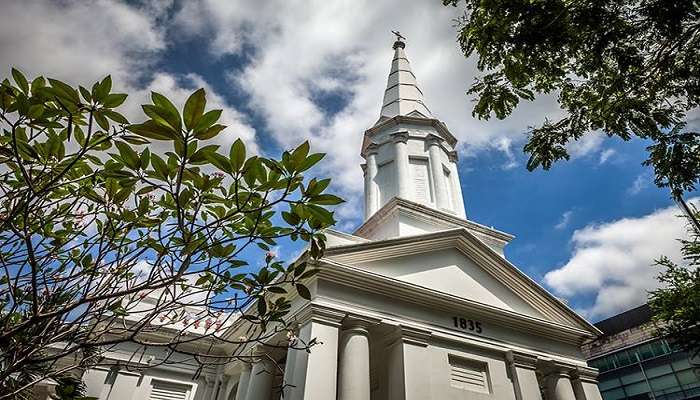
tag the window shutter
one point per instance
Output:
(162, 390)
(468, 375)
(421, 180)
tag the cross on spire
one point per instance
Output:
(400, 40)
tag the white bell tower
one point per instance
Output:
(409, 154)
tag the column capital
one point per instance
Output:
(452, 156)
(399, 137)
(409, 335)
(585, 374)
(371, 149)
(521, 360)
(433, 139)
(359, 323)
(317, 313)
(551, 367)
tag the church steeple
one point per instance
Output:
(402, 95)
(410, 155)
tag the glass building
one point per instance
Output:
(634, 364)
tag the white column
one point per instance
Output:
(353, 368)
(523, 370)
(371, 189)
(458, 200)
(243, 381)
(558, 386)
(408, 359)
(585, 384)
(401, 161)
(261, 376)
(436, 171)
(95, 380)
(124, 385)
(313, 375)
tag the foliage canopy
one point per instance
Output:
(112, 232)
(622, 67)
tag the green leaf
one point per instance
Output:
(194, 108)
(237, 155)
(310, 161)
(168, 110)
(207, 120)
(159, 166)
(303, 291)
(21, 80)
(276, 289)
(299, 154)
(115, 116)
(210, 133)
(114, 100)
(326, 200)
(129, 156)
(152, 130)
(219, 161)
(65, 91)
(201, 154)
(262, 306)
(102, 89)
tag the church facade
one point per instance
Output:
(418, 303)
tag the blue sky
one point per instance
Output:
(290, 71)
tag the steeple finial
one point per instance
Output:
(402, 95)
(400, 40)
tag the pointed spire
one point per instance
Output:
(402, 95)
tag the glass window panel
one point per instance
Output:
(686, 377)
(607, 384)
(658, 348)
(645, 351)
(632, 377)
(658, 370)
(623, 358)
(613, 394)
(664, 383)
(681, 364)
(637, 388)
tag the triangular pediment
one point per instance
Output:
(457, 263)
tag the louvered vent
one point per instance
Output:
(162, 390)
(421, 180)
(468, 375)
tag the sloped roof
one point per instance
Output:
(402, 95)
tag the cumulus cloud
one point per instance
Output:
(78, 41)
(81, 42)
(613, 261)
(319, 72)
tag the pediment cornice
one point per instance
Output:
(473, 248)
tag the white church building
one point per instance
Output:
(418, 303)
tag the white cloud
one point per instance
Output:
(81, 42)
(77, 41)
(300, 55)
(565, 220)
(504, 144)
(605, 155)
(613, 261)
(641, 182)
